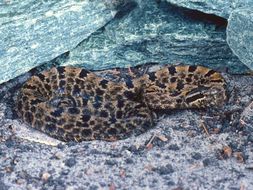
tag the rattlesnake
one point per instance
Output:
(74, 104)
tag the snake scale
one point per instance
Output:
(74, 104)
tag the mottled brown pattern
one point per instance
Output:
(73, 104)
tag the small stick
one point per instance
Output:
(204, 127)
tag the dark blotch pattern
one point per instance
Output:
(209, 73)
(103, 83)
(112, 131)
(104, 113)
(120, 104)
(86, 118)
(29, 117)
(61, 70)
(129, 83)
(217, 81)
(36, 101)
(152, 76)
(130, 95)
(57, 112)
(99, 92)
(180, 85)
(62, 83)
(86, 132)
(83, 73)
(76, 90)
(41, 76)
(119, 114)
(50, 128)
(74, 111)
(161, 85)
(192, 68)
(172, 70)
(188, 80)
(48, 87)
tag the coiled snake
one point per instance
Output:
(73, 104)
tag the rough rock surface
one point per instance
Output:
(187, 149)
(157, 32)
(240, 34)
(218, 7)
(33, 32)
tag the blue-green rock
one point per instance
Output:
(140, 31)
(155, 32)
(220, 8)
(240, 35)
(36, 31)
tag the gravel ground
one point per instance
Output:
(187, 149)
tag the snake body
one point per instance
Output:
(74, 104)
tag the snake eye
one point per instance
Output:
(194, 98)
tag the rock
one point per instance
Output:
(155, 32)
(240, 35)
(70, 162)
(218, 7)
(45, 176)
(33, 32)
(165, 170)
(196, 156)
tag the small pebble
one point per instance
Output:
(173, 147)
(65, 172)
(70, 162)
(45, 176)
(9, 143)
(206, 162)
(74, 151)
(227, 151)
(239, 157)
(93, 187)
(196, 156)
(129, 161)
(61, 146)
(170, 183)
(20, 181)
(58, 155)
(164, 170)
(111, 162)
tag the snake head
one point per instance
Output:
(206, 97)
(180, 87)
